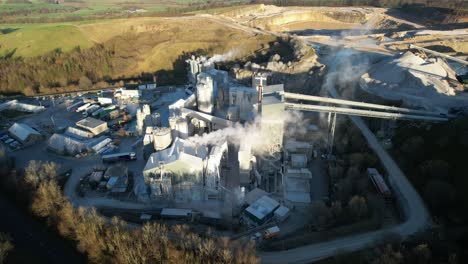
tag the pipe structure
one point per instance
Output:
(358, 104)
(464, 62)
(365, 113)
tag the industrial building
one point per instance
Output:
(296, 185)
(93, 125)
(78, 133)
(261, 210)
(65, 145)
(181, 170)
(17, 106)
(182, 160)
(24, 133)
(117, 176)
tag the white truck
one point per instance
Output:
(83, 107)
(271, 232)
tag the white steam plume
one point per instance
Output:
(250, 134)
(222, 57)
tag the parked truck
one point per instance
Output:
(106, 111)
(87, 112)
(271, 232)
(73, 107)
(83, 107)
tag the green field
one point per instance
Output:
(36, 39)
(42, 11)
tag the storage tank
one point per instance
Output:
(162, 138)
(206, 93)
(183, 127)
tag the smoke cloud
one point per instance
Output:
(222, 57)
(346, 65)
(262, 140)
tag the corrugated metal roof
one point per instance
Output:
(22, 131)
(262, 207)
(90, 122)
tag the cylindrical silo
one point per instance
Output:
(162, 138)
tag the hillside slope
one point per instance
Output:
(113, 49)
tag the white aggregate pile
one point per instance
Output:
(414, 80)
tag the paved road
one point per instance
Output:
(416, 215)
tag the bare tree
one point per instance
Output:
(5, 247)
(37, 172)
(358, 207)
(320, 213)
(48, 200)
(85, 83)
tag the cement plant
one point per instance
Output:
(296, 149)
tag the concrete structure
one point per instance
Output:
(272, 121)
(298, 161)
(182, 161)
(24, 133)
(243, 101)
(223, 86)
(162, 138)
(261, 210)
(141, 115)
(245, 165)
(194, 67)
(93, 125)
(296, 185)
(180, 127)
(206, 93)
(212, 174)
(294, 146)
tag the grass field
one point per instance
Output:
(40, 11)
(113, 49)
(36, 39)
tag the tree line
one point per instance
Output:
(112, 240)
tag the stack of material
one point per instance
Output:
(415, 81)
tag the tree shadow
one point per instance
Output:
(5, 31)
(178, 74)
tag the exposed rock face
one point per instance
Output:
(300, 75)
(264, 19)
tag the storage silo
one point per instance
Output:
(162, 138)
